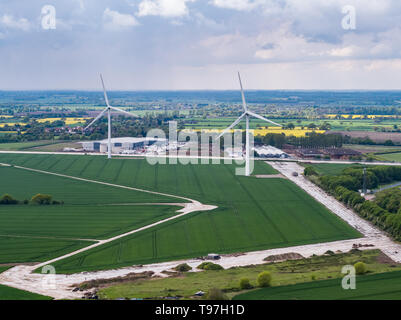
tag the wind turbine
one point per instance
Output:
(247, 114)
(108, 110)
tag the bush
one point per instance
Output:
(216, 294)
(360, 268)
(7, 199)
(42, 199)
(210, 266)
(310, 171)
(264, 279)
(183, 267)
(245, 284)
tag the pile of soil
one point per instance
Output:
(283, 257)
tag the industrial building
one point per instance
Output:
(270, 152)
(120, 145)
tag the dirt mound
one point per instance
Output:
(283, 257)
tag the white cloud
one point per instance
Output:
(237, 4)
(116, 20)
(10, 22)
(164, 8)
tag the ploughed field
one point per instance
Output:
(252, 214)
(383, 286)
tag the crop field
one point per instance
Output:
(396, 156)
(330, 169)
(90, 211)
(252, 213)
(8, 293)
(383, 286)
(17, 146)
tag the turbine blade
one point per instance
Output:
(231, 126)
(125, 112)
(262, 118)
(104, 91)
(242, 94)
(97, 118)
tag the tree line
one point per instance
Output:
(384, 211)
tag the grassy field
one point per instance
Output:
(383, 286)
(396, 157)
(19, 146)
(283, 273)
(8, 293)
(253, 213)
(90, 211)
(330, 169)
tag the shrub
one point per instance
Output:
(42, 199)
(360, 268)
(216, 294)
(310, 171)
(183, 267)
(313, 277)
(244, 283)
(264, 279)
(210, 266)
(7, 199)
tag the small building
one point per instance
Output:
(341, 153)
(308, 153)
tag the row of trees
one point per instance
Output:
(312, 140)
(385, 211)
(38, 199)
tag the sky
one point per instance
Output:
(200, 44)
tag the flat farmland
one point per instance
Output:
(384, 286)
(396, 156)
(32, 233)
(252, 213)
(8, 293)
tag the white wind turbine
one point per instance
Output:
(247, 114)
(108, 110)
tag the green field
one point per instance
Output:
(330, 169)
(31, 233)
(18, 146)
(8, 293)
(396, 157)
(384, 286)
(252, 213)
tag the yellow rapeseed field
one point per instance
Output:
(360, 116)
(67, 121)
(297, 131)
(11, 124)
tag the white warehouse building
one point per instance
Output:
(270, 152)
(119, 145)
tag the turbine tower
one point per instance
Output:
(108, 110)
(247, 114)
